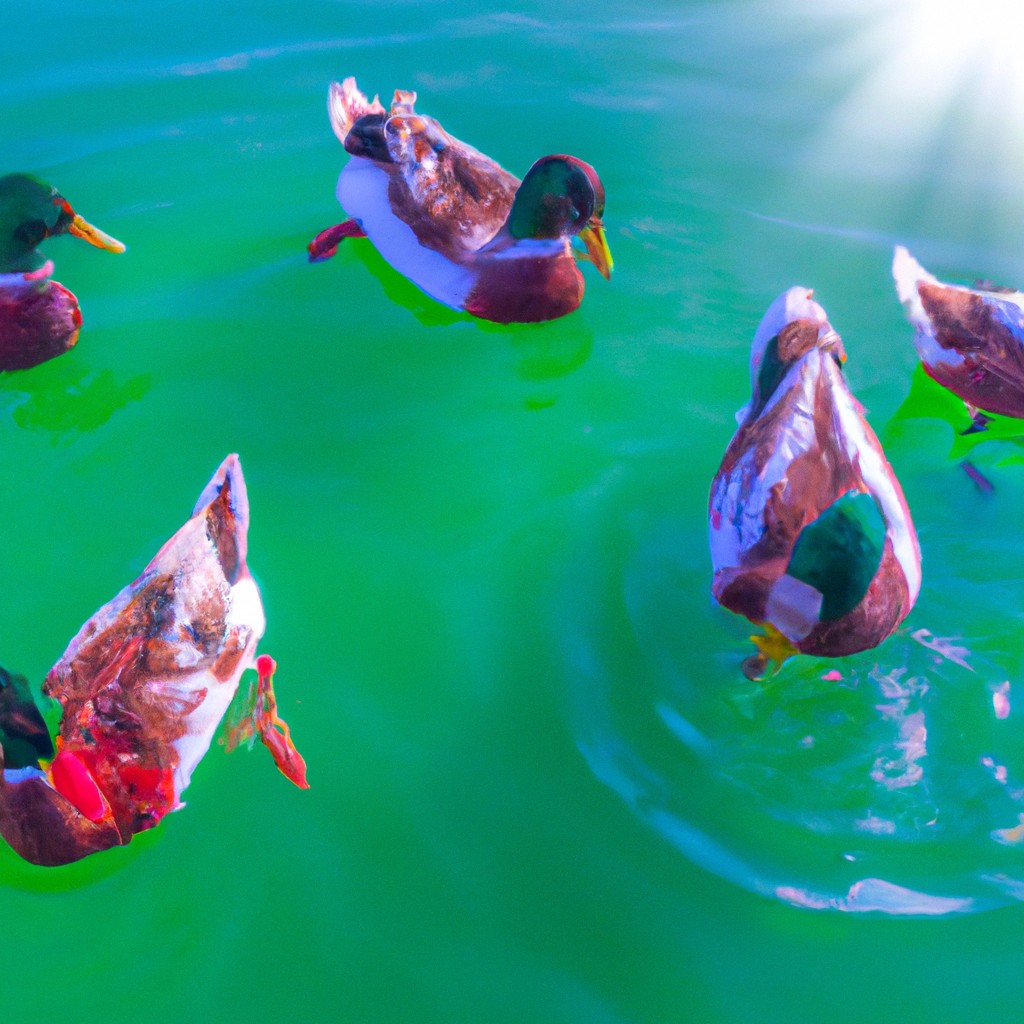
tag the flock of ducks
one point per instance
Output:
(810, 533)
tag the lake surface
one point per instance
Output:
(541, 788)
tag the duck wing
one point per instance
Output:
(453, 197)
(987, 330)
(145, 683)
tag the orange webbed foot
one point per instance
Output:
(772, 650)
(325, 245)
(257, 716)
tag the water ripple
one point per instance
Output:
(886, 783)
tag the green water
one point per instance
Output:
(541, 789)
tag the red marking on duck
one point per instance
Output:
(257, 716)
(72, 779)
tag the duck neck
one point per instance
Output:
(505, 245)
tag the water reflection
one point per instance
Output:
(83, 874)
(65, 398)
(550, 351)
(545, 351)
(926, 400)
(398, 289)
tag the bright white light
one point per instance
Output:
(973, 42)
(959, 24)
(936, 92)
(955, 28)
(938, 59)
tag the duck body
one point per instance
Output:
(810, 533)
(40, 319)
(455, 223)
(970, 340)
(142, 688)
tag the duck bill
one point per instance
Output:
(597, 251)
(81, 228)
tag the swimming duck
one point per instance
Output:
(39, 318)
(141, 690)
(456, 224)
(810, 534)
(970, 340)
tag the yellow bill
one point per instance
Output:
(598, 253)
(81, 228)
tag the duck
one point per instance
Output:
(969, 340)
(140, 691)
(810, 534)
(40, 319)
(455, 223)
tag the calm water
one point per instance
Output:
(542, 791)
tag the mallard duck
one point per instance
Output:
(810, 534)
(970, 340)
(141, 690)
(39, 318)
(456, 224)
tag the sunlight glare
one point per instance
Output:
(958, 32)
(940, 83)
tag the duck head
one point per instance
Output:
(24, 735)
(562, 197)
(793, 326)
(32, 211)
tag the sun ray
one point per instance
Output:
(917, 104)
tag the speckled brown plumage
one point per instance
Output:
(148, 677)
(991, 377)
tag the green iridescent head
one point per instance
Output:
(24, 735)
(562, 196)
(31, 211)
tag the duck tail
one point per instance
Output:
(346, 104)
(402, 103)
(909, 275)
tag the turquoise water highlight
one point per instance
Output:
(541, 789)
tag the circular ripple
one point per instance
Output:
(890, 782)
